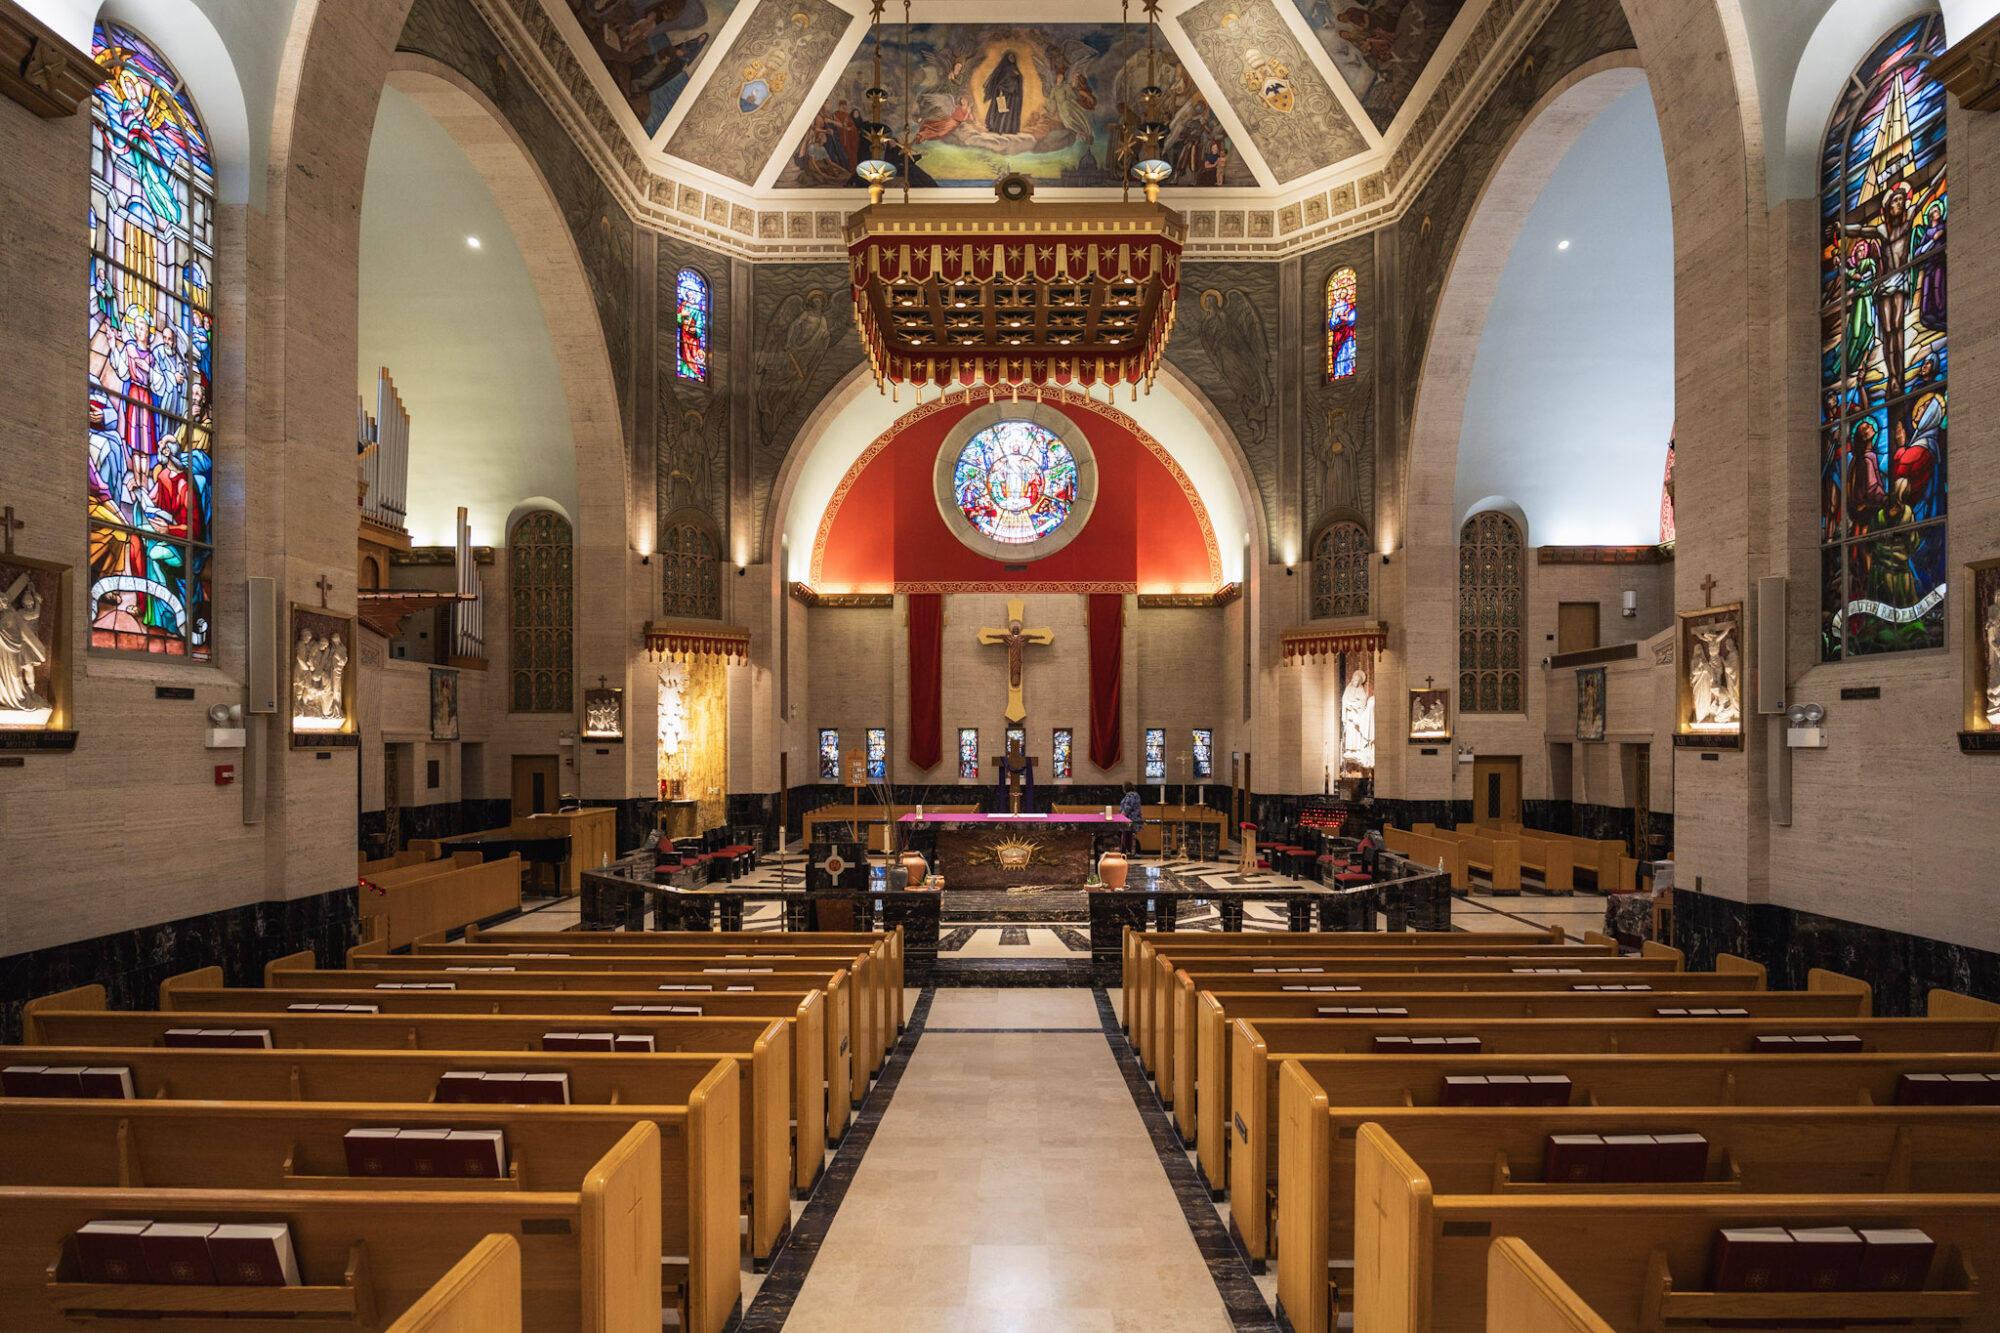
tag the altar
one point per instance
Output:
(1004, 851)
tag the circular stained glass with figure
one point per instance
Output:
(1015, 481)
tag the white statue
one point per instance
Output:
(1357, 724)
(1715, 677)
(21, 652)
(1993, 660)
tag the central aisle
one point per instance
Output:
(1010, 1185)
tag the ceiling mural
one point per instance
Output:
(1277, 92)
(1047, 101)
(739, 117)
(651, 47)
(1379, 46)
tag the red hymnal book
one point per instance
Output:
(177, 1254)
(110, 1082)
(1829, 1258)
(62, 1081)
(1682, 1158)
(1629, 1158)
(184, 1037)
(577, 1041)
(1388, 1045)
(1753, 1259)
(422, 1152)
(633, 1043)
(1921, 1089)
(503, 1088)
(245, 1039)
(109, 1251)
(1464, 1090)
(1764, 1044)
(545, 1089)
(475, 1154)
(21, 1080)
(1509, 1090)
(462, 1085)
(1573, 1159)
(1896, 1259)
(1550, 1089)
(371, 1152)
(253, 1254)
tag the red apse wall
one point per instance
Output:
(882, 531)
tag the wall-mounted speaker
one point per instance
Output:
(260, 647)
(1771, 644)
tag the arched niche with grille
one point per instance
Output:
(541, 583)
(690, 566)
(1491, 610)
(1340, 556)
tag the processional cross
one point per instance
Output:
(1016, 638)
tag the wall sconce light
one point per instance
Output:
(1630, 603)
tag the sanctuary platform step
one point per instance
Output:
(1014, 905)
(1011, 972)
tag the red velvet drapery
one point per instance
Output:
(1107, 668)
(926, 621)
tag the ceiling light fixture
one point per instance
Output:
(472, 242)
(1562, 245)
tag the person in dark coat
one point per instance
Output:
(1003, 96)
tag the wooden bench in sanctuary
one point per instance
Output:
(292, 1146)
(589, 1255)
(400, 905)
(1640, 1262)
(481, 1293)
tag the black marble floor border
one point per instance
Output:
(1227, 1265)
(792, 1263)
(991, 1032)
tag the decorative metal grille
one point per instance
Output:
(1340, 571)
(1490, 602)
(541, 578)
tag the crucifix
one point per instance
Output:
(324, 588)
(8, 525)
(1427, 683)
(1708, 587)
(1015, 638)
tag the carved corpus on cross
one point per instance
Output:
(1016, 638)
(1016, 766)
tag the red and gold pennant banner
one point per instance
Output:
(1301, 645)
(696, 639)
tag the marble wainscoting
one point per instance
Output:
(131, 964)
(1902, 968)
(444, 819)
(1408, 814)
(638, 818)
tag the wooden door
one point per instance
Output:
(1576, 626)
(534, 784)
(1496, 789)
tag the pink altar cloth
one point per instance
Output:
(1010, 819)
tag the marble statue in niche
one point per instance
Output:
(1357, 725)
(23, 652)
(1715, 677)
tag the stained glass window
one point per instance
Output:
(541, 563)
(1883, 365)
(829, 755)
(1667, 498)
(1204, 753)
(691, 323)
(1342, 317)
(1340, 571)
(1490, 558)
(1015, 481)
(1156, 754)
(690, 571)
(152, 261)
(1017, 736)
(878, 754)
(968, 752)
(1059, 753)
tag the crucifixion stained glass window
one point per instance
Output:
(152, 264)
(541, 563)
(1883, 410)
(1343, 319)
(1340, 571)
(690, 325)
(1490, 598)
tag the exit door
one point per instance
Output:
(534, 784)
(1496, 790)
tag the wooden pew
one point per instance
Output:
(565, 1008)
(1524, 1295)
(1638, 1260)
(437, 896)
(1490, 851)
(1599, 1080)
(1428, 849)
(1596, 857)
(397, 862)
(480, 1294)
(589, 1257)
(405, 1076)
(1551, 858)
(297, 1146)
(763, 1048)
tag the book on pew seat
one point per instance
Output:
(1972, 1089)
(109, 1082)
(1670, 1013)
(633, 1043)
(1389, 1045)
(253, 1254)
(370, 1152)
(1464, 1090)
(62, 1081)
(1921, 1089)
(303, 1008)
(545, 1089)
(244, 1039)
(1630, 1158)
(688, 985)
(1895, 1259)
(1463, 1045)
(358, 1008)
(109, 1251)
(1682, 1158)
(1318, 989)
(475, 1154)
(1753, 1259)
(422, 1152)
(502, 1088)
(177, 1254)
(21, 1080)
(462, 1085)
(1573, 1159)
(462, 968)
(1828, 1258)
(576, 1041)
(184, 1037)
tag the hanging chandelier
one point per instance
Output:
(1014, 292)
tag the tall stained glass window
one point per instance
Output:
(1204, 754)
(690, 571)
(541, 575)
(1340, 571)
(1156, 754)
(968, 752)
(1883, 365)
(152, 262)
(878, 754)
(691, 325)
(1017, 736)
(1342, 321)
(829, 755)
(1490, 598)
(1060, 764)
(1667, 498)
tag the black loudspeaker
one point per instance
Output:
(836, 865)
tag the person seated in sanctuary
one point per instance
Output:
(1128, 806)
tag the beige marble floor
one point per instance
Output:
(1011, 1185)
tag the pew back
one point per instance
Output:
(480, 1294)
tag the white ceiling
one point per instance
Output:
(462, 333)
(1571, 401)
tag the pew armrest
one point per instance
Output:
(79, 997)
(621, 1234)
(481, 1294)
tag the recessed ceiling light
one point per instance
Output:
(473, 242)
(1560, 245)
